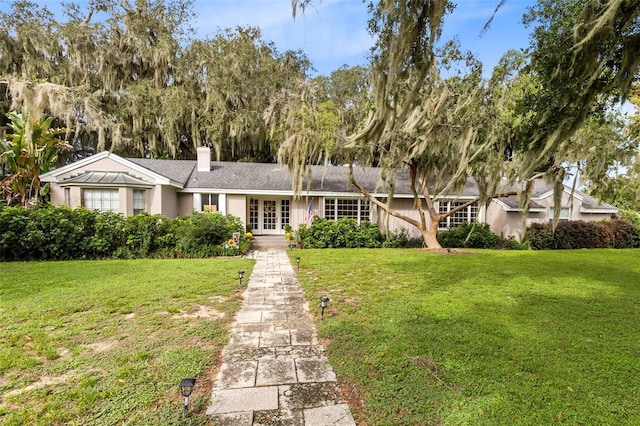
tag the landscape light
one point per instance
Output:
(298, 262)
(186, 387)
(240, 276)
(323, 304)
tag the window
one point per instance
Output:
(253, 213)
(101, 199)
(209, 202)
(284, 213)
(468, 214)
(337, 208)
(138, 201)
(565, 213)
(67, 197)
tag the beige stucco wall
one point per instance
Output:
(299, 208)
(168, 201)
(237, 206)
(510, 223)
(185, 203)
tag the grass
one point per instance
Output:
(484, 338)
(107, 342)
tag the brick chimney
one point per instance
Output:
(204, 159)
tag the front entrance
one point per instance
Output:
(268, 216)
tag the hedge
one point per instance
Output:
(580, 234)
(60, 233)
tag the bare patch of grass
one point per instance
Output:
(202, 312)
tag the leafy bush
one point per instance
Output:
(469, 235)
(401, 239)
(512, 244)
(343, 233)
(631, 216)
(204, 234)
(45, 233)
(59, 233)
(579, 234)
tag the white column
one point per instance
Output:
(197, 202)
(222, 203)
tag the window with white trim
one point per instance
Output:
(102, 199)
(138, 201)
(565, 213)
(468, 214)
(209, 202)
(355, 208)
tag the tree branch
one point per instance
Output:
(386, 207)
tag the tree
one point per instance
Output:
(29, 151)
(443, 131)
(127, 77)
(620, 183)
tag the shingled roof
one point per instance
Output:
(269, 177)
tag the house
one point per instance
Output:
(261, 195)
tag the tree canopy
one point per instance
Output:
(128, 77)
(434, 115)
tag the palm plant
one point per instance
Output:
(29, 150)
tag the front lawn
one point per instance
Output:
(107, 342)
(483, 338)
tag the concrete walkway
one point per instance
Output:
(273, 370)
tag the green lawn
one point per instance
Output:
(418, 338)
(485, 338)
(107, 342)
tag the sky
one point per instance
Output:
(334, 33)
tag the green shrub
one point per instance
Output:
(631, 216)
(204, 234)
(108, 234)
(469, 235)
(580, 234)
(512, 244)
(59, 233)
(343, 233)
(13, 223)
(401, 239)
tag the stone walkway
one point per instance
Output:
(273, 370)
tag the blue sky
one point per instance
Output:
(334, 32)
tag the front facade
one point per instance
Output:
(261, 195)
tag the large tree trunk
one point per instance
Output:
(430, 235)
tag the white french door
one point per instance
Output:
(268, 216)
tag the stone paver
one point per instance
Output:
(273, 370)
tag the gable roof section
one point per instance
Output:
(154, 177)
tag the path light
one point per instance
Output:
(298, 262)
(240, 276)
(186, 387)
(323, 304)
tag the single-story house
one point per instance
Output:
(261, 195)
